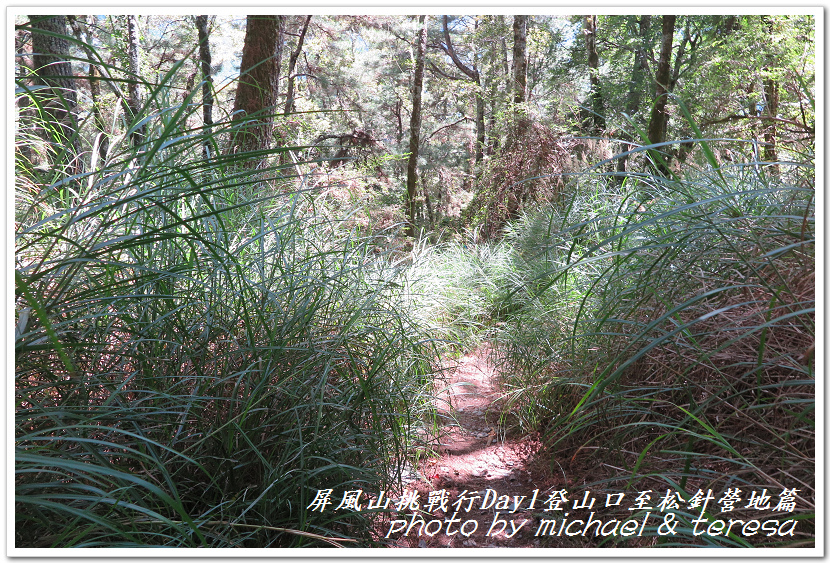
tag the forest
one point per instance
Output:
(318, 280)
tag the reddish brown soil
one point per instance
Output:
(475, 455)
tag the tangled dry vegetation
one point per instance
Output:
(529, 169)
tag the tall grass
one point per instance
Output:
(459, 289)
(197, 351)
(670, 337)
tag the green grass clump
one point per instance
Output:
(670, 336)
(197, 355)
(464, 289)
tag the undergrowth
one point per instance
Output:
(203, 344)
(199, 351)
(669, 337)
(657, 332)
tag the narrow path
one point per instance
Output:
(475, 456)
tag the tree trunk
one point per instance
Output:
(256, 91)
(508, 79)
(207, 80)
(292, 62)
(100, 67)
(635, 85)
(658, 120)
(397, 112)
(97, 118)
(520, 122)
(595, 95)
(520, 75)
(289, 96)
(493, 139)
(50, 57)
(685, 39)
(771, 95)
(428, 203)
(480, 133)
(726, 25)
(95, 78)
(770, 132)
(475, 76)
(415, 127)
(496, 77)
(133, 88)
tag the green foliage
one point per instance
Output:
(200, 347)
(196, 355)
(671, 330)
(460, 289)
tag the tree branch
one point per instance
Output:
(289, 98)
(465, 118)
(102, 67)
(801, 126)
(472, 73)
(444, 74)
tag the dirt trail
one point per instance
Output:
(475, 456)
